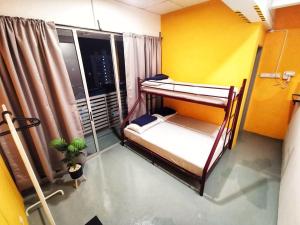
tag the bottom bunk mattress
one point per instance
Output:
(181, 140)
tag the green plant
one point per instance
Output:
(70, 151)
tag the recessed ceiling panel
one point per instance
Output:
(141, 3)
(186, 3)
(164, 7)
(161, 6)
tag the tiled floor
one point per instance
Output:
(105, 138)
(125, 189)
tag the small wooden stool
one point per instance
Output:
(78, 181)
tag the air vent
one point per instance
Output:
(240, 14)
(259, 12)
(252, 10)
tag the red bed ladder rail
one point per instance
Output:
(237, 112)
(130, 113)
(226, 123)
(218, 138)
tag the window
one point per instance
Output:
(67, 46)
(98, 65)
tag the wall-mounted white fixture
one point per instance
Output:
(252, 10)
(287, 75)
(270, 75)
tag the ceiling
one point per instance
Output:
(161, 6)
(165, 6)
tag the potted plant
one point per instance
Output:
(71, 152)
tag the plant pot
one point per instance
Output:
(81, 159)
(77, 172)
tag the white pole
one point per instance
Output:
(28, 166)
(85, 87)
(117, 75)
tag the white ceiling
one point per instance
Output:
(284, 3)
(161, 6)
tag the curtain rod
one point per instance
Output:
(95, 30)
(88, 29)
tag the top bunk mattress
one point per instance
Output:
(184, 141)
(216, 95)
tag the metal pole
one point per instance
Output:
(117, 75)
(28, 166)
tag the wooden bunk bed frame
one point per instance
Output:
(231, 115)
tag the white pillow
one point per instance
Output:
(140, 129)
(164, 118)
(156, 83)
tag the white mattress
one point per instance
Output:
(197, 92)
(182, 140)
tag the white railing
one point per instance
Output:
(104, 110)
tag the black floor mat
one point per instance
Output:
(94, 221)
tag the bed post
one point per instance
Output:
(147, 103)
(215, 145)
(130, 113)
(237, 112)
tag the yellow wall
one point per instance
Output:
(271, 106)
(287, 17)
(11, 202)
(208, 43)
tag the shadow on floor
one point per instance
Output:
(125, 189)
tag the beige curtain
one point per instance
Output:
(35, 83)
(142, 59)
(153, 55)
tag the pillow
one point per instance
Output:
(163, 118)
(165, 111)
(144, 119)
(151, 83)
(141, 129)
(158, 77)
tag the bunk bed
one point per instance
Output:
(193, 146)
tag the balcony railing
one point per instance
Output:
(104, 109)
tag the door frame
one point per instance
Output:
(116, 74)
(85, 87)
(251, 86)
(83, 77)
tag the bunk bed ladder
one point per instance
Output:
(229, 124)
(130, 113)
(228, 108)
(236, 113)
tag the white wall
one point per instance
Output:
(113, 16)
(289, 195)
(120, 17)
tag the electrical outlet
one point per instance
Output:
(287, 75)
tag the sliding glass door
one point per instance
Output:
(100, 77)
(67, 45)
(98, 64)
(119, 50)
